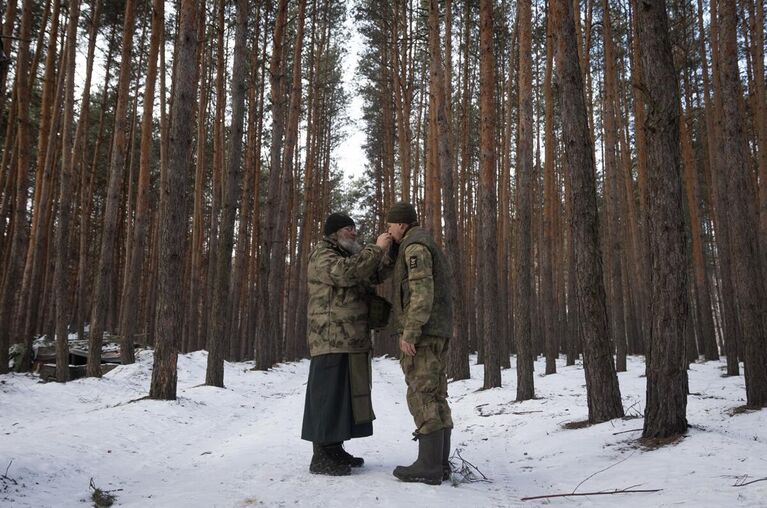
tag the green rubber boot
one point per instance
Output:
(427, 468)
(446, 470)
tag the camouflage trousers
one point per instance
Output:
(427, 385)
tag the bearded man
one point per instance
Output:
(340, 276)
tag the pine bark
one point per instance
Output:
(447, 167)
(732, 336)
(130, 291)
(221, 304)
(523, 300)
(550, 312)
(113, 199)
(61, 277)
(603, 394)
(173, 216)
(19, 236)
(749, 289)
(665, 412)
(703, 307)
(488, 206)
(760, 118)
(272, 274)
(193, 337)
(32, 289)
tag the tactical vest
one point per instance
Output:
(440, 322)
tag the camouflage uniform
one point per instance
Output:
(339, 285)
(338, 404)
(423, 310)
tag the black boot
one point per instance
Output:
(324, 463)
(446, 470)
(337, 452)
(428, 466)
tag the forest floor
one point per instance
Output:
(240, 446)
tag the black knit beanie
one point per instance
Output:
(402, 213)
(336, 221)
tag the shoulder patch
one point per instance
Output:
(413, 262)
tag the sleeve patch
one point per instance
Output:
(413, 262)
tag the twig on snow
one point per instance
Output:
(7, 480)
(468, 472)
(627, 490)
(602, 471)
(600, 493)
(625, 431)
(741, 482)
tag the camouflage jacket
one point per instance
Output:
(339, 286)
(423, 304)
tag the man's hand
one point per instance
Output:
(406, 347)
(384, 241)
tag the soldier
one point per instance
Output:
(423, 313)
(340, 277)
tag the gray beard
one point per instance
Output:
(350, 246)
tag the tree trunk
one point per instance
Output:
(665, 414)
(488, 206)
(221, 310)
(113, 198)
(173, 216)
(614, 218)
(749, 289)
(272, 274)
(702, 296)
(732, 328)
(550, 312)
(447, 164)
(19, 236)
(603, 394)
(523, 299)
(130, 300)
(61, 277)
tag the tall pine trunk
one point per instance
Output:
(523, 298)
(488, 206)
(272, 273)
(61, 277)
(173, 210)
(603, 394)
(447, 169)
(550, 312)
(130, 295)
(665, 412)
(221, 305)
(113, 199)
(741, 207)
(19, 235)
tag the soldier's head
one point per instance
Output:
(341, 228)
(401, 217)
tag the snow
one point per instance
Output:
(240, 446)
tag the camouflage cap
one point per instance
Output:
(402, 213)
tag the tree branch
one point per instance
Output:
(742, 483)
(601, 493)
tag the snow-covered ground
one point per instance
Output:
(240, 446)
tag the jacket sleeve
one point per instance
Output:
(384, 271)
(339, 271)
(421, 284)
